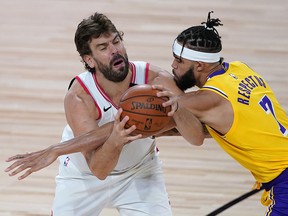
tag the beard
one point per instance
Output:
(186, 81)
(114, 75)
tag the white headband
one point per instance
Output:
(194, 55)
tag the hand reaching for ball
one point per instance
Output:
(172, 102)
(144, 109)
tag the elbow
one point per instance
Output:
(197, 141)
(200, 139)
(98, 170)
(101, 176)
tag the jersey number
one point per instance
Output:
(267, 105)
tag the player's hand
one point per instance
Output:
(120, 134)
(164, 92)
(30, 162)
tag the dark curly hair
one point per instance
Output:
(93, 27)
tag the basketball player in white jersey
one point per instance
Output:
(115, 168)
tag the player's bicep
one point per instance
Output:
(81, 112)
(200, 103)
(210, 108)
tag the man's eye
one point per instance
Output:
(178, 60)
(116, 41)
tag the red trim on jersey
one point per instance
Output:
(147, 72)
(89, 93)
(102, 92)
(133, 70)
(133, 77)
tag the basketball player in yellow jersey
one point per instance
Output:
(237, 106)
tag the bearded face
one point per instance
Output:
(110, 73)
(187, 80)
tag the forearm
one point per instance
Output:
(103, 160)
(84, 143)
(169, 130)
(189, 126)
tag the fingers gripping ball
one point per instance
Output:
(144, 109)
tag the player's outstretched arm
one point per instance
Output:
(31, 162)
(35, 161)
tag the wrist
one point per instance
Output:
(56, 149)
(114, 145)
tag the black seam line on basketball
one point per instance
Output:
(145, 114)
(136, 96)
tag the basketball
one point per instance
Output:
(144, 109)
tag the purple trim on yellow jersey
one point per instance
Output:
(219, 72)
(216, 73)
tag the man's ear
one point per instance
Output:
(199, 66)
(89, 60)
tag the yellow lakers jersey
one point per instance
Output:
(258, 138)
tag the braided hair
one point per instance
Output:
(202, 38)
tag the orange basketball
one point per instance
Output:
(144, 109)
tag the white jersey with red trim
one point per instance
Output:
(133, 153)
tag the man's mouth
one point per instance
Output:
(118, 63)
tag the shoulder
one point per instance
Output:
(156, 72)
(151, 71)
(77, 94)
(209, 98)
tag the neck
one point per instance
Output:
(214, 67)
(113, 89)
